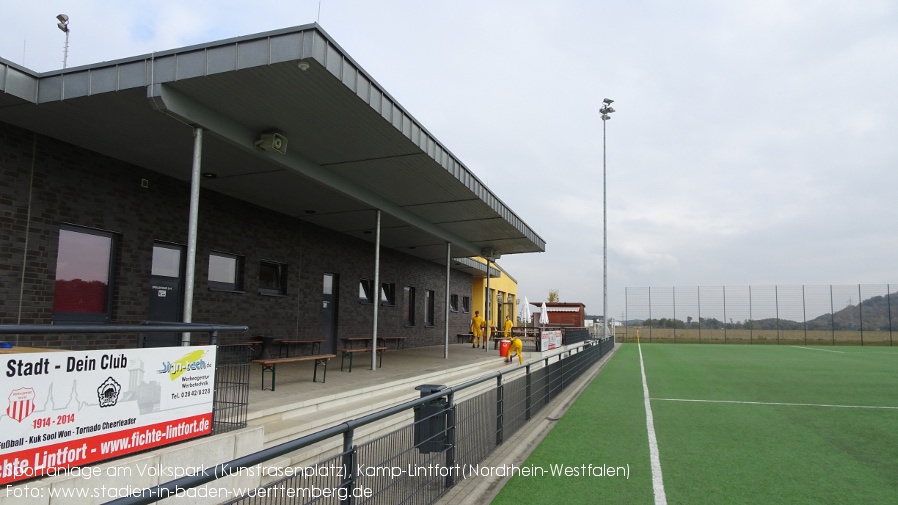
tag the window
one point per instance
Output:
(84, 275)
(272, 278)
(500, 308)
(366, 291)
(466, 304)
(388, 294)
(453, 303)
(166, 261)
(225, 272)
(428, 308)
(409, 308)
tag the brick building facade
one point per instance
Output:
(301, 162)
(45, 183)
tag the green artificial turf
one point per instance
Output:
(605, 426)
(822, 449)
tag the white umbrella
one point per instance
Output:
(544, 315)
(525, 312)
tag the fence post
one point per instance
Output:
(561, 370)
(832, 315)
(889, 298)
(450, 439)
(776, 299)
(529, 392)
(699, 298)
(860, 311)
(804, 308)
(499, 409)
(725, 314)
(349, 464)
(673, 291)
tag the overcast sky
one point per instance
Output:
(754, 143)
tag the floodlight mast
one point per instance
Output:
(606, 111)
(63, 25)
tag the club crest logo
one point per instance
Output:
(21, 404)
(108, 392)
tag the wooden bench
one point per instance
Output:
(349, 352)
(284, 346)
(270, 365)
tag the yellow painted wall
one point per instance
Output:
(503, 283)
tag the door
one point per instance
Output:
(329, 312)
(166, 293)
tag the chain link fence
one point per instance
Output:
(806, 315)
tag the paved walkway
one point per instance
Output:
(294, 380)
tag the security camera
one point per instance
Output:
(272, 142)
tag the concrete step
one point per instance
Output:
(398, 387)
(292, 424)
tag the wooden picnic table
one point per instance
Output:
(349, 342)
(285, 344)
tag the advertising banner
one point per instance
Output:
(64, 409)
(550, 339)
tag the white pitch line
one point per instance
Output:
(657, 478)
(877, 407)
(812, 349)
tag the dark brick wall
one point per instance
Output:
(68, 185)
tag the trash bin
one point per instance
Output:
(504, 345)
(430, 420)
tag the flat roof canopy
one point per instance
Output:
(351, 148)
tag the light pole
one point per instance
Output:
(606, 111)
(63, 25)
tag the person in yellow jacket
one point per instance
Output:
(477, 329)
(487, 333)
(508, 325)
(517, 346)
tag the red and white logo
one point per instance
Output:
(21, 403)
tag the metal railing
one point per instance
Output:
(808, 315)
(419, 461)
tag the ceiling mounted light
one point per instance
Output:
(303, 65)
(209, 175)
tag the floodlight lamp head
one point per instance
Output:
(64, 27)
(62, 18)
(607, 101)
(605, 117)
